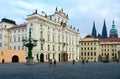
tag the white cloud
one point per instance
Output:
(81, 12)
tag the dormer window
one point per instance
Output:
(41, 25)
(5, 26)
(53, 29)
(31, 24)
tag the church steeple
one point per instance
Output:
(94, 32)
(104, 30)
(113, 31)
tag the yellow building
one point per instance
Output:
(95, 49)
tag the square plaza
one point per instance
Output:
(60, 71)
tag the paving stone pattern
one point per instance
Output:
(60, 71)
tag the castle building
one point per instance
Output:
(56, 40)
(97, 49)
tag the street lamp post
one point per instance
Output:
(30, 43)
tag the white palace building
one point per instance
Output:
(56, 39)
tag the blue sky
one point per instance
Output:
(81, 13)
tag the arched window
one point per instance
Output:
(48, 37)
(41, 46)
(31, 24)
(53, 38)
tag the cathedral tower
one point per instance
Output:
(94, 32)
(104, 31)
(113, 31)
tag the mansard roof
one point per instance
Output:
(18, 26)
(8, 21)
(110, 40)
(89, 36)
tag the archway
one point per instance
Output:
(15, 58)
(64, 57)
(41, 57)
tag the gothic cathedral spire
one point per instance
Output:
(104, 30)
(94, 32)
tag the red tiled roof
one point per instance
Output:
(18, 26)
(110, 40)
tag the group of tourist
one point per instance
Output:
(50, 62)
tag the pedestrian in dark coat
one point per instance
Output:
(73, 62)
(54, 62)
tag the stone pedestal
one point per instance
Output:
(29, 61)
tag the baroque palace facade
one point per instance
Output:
(95, 49)
(56, 39)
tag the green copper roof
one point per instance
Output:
(113, 29)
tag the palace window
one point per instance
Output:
(22, 47)
(48, 47)
(10, 47)
(41, 46)
(94, 48)
(91, 53)
(53, 48)
(18, 47)
(94, 53)
(91, 48)
(112, 54)
(48, 28)
(41, 25)
(88, 48)
(41, 34)
(18, 39)
(48, 37)
(0, 44)
(94, 43)
(88, 43)
(0, 36)
(84, 53)
(14, 39)
(88, 53)
(85, 48)
(53, 29)
(81, 48)
(58, 48)
(14, 47)
(84, 43)
(14, 31)
(62, 39)
(81, 53)
(53, 38)
(58, 39)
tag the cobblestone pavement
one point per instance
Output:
(60, 71)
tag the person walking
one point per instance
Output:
(73, 62)
(50, 62)
(83, 61)
(54, 62)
